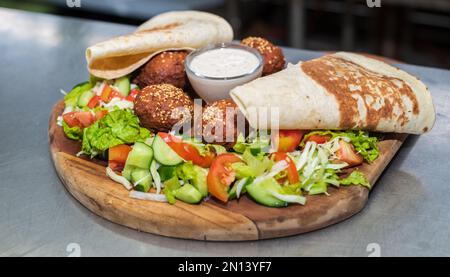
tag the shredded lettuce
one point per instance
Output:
(74, 132)
(117, 127)
(364, 144)
(355, 178)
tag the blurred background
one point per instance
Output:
(413, 31)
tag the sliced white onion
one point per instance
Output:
(140, 180)
(276, 168)
(59, 121)
(63, 92)
(290, 198)
(304, 156)
(120, 103)
(156, 177)
(148, 196)
(117, 178)
(67, 109)
(239, 186)
(336, 166)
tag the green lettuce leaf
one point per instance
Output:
(256, 143)
(72, 132)
(117, 127)
(364, 144)
(195, 175)
(355, 178)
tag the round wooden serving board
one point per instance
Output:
(238, 220)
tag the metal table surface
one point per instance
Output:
(408, 212)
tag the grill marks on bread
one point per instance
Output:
(364, 97)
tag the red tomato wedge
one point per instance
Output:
(291, 170)
(70, 119)
(83, 119)
(100, 114)
(109, 93)
(288, 140)
(319, 139)
(347, 153)
(187, 151)
(132, 95)
(86, 118)
(94, 102)
(220, 175)
(117, 156)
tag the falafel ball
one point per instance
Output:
(220, 123)
(159, 107)
(273, 55)
(166, 67)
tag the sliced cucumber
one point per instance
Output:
(260, 192)
(84, 98)
(199, 180)
(164, 154)
(140, 156)
(189, 194)
(123, 85)
(126, 172)
(143, 178)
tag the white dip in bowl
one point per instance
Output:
(214, 70)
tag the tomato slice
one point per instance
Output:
(94, 102)
(132, 95)
(288, 140)
(86, 118)
(106, 93)
(100, 114)
(71, 120)
(319, 139)
(292, 173)
(187, 151)
(347, 153)
(220, 175)
(117, 156)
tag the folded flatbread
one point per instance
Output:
(188, 30)
(339, 91)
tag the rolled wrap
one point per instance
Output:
(187, 30)
(339, 91)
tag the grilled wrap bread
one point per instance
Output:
(339, 91)
(178, 30)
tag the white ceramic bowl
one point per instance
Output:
(212, 89)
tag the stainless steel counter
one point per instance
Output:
(408, 212)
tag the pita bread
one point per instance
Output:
(186, 30)
(339, 91)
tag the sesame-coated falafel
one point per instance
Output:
(166, 67)
(159, 107)
(273, 55)
(219, 118)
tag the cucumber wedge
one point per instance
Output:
(143, 178)
(189, 194)
(140, 156)
(126, 172)
(260, 192)
(164, 154)
(84, 98)
(123, 85)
